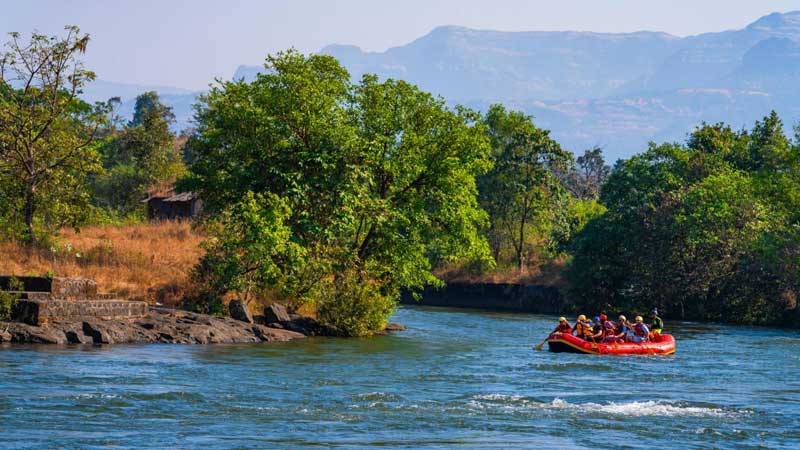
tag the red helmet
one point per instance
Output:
(603, 317)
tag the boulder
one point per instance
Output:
(238, 310)
(394, 327)
(276, 313)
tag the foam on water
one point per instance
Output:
(633, 409)
(650, 408)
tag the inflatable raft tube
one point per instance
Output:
(557, 342)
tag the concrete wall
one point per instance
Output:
(501, 297)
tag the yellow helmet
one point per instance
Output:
(622, 319)
(638, 318)
(582, 318)
(562, 319)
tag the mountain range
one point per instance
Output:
(616, 90)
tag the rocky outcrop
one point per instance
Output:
(159, 325)
(276, 313)
(238, 311)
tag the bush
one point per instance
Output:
(8, 300)
(356, 307)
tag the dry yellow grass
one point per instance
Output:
(151, 260)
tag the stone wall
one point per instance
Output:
(44, 300)
(41, 312)
(57, 287)
(493, 296)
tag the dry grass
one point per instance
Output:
(151, 260)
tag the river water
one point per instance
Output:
(455, 379)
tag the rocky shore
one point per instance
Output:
(159, 325)
(162, 325)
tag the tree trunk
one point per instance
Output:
(30, 208)
(519, 247)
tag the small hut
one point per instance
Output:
(164, 203)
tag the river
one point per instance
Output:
(455, 379)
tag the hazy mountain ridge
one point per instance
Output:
(618, 90)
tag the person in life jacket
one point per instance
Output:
(597, 330)
(640, 331)
(563, 326)
(583, 328)
(620, 333)
(609, 329)
(656, 324)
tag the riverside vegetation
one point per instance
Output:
(334, 195)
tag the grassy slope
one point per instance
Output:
(145, 260)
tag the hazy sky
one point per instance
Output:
(188, 43)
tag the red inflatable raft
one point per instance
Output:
(662, 345)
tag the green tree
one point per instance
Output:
(137, 157)
(47, 134)
(704, 231)
(523, 186)
(587, 177)
(378, 179)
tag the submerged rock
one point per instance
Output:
(160, 325)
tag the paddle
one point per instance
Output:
(539, 347)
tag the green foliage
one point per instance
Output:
(705, 230)
(9, 299)
(374, 179)
(587, 177)
(47, 135)
(522, 191)
(355, 305)
(137, 157)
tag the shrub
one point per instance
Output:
(356, 307)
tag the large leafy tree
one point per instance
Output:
(47, 134)
(377, 180)
(704, 230)
(523, 187)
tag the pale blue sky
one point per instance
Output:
(188, 43)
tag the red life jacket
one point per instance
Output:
(563, 328)
(638, 330)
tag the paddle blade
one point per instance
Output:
(539, 347)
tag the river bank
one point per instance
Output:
(512, 297)
(160, 325)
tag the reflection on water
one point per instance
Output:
(455, 379)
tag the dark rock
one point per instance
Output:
(276, 313)
(160, 325)
(25, 333)
(260, 319)
(238, 310)
(98, 335)
(394, 327)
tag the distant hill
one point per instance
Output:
(619, 91)
(181, 100)
(616, 90)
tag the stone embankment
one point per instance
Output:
(493, 296)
